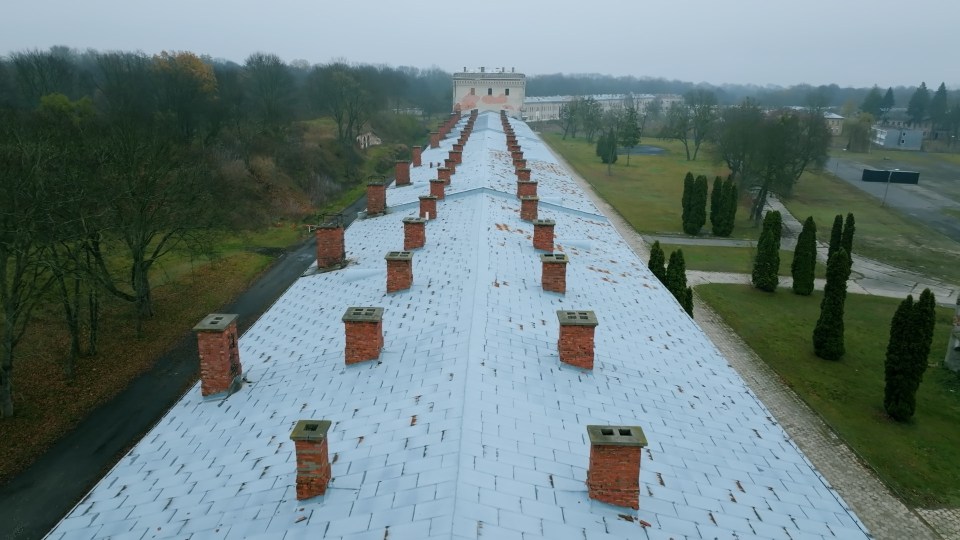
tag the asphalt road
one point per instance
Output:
(35, 500)
(918, 202)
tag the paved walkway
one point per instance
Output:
(883, 513)
(868, 276)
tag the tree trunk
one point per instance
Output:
(756, 213)
(93, 309)
(6, 373)
(141, 291)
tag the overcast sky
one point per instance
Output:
(848, 42)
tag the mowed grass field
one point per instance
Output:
(729, 259)
(882, 234)
(918, 459)
(648, 192)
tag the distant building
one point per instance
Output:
(543, 108)
(490, 91)
(368, 139)
(897, 138)
(834, 122)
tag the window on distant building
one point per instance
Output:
(489, 91)
(507, 92)
(473, 91)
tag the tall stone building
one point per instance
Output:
(490, 90)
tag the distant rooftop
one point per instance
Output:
(468, 425)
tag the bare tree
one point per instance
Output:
(23, 238)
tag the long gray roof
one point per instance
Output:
(468, 426)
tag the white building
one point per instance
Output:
(543, 108)
(490, 90)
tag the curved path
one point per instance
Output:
(883, 513)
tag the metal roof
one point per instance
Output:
(468, 426)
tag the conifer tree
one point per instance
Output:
(657, 262)
(804, 263)
(766, 266)
(846, 237)
(687, 197)
(716, 206)
(898, 400)
(729, 217)
(911, 334)
(836, 233)
(677, 281)
(828, 334)
(925, 320)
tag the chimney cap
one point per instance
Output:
(403, 161)
(617, 436)
(376, 180)
(310, 430)
(554, 258)
(428, 197)
(529, 198)
(414, 219)
(331, 221)
(577, 318)
(399, 256)
(215, 322)
(526, 181)
(363, 314)
(544, 222)
(441, 180)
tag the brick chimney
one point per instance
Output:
(576, 338)
(450, 164)
(554, 274)
(417, 153)
(414, 233)
(528, 207)
(330, 245)
(434, 139)
(402, 170)
(220, 369)
(543, 234)
(428, 207)
(457, 147)
(363, 327)
(436, 187)
(313, 458)
(443, 173)
(523, 174)
(526, 187)
(399, 270)
(516, 154)
(614, 473)
(519, 164)
(376, 197)
(456, 157)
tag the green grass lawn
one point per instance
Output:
(729, 259)
(917, 459)
(646, 193)
(882, 234)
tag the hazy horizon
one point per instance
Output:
(856, 43)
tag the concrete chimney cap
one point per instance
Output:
(617, 436)
(310, 430)
(215, 322)
(399, 256)
(363, 314)
(577, 318)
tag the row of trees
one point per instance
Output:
(727, 94)
(723, 205)
(110, 162)
(673, 276)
